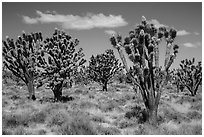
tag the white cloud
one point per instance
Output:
(196, 33)
(182, 33)
(110, 32)
(192, 45)
(77, 22)
(29, 20)
(189, 45)
(156, 23)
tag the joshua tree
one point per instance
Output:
(120, 76)
(103, 67)
(58, 59)
(20, 58)
(174, 79)
(190, 75)
(81, 76)
(142, 47)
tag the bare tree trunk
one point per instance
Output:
(58, 92)
(105, 86)
(31, 89)
(152, 115)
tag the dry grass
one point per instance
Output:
(93, 111)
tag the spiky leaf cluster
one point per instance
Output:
(142, 48)
(190, 74)
(103, 67)
(59, 58)
(20, 55)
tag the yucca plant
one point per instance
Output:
(57, 61)
(81, 76)
(103, 67)
(120, 76)
(174, 80)
(20, 58)
(142, 48)
(190, 75)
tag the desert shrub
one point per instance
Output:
(120, 76)
(57, 118)
(15, 120)
(109, 105)
(78, 124)
(38, 116)
(23, 118)
(120, 86)
(81, 76)
(108, 130)
(91, 95)
(15, 97)
(86, 104)
(41, 132)
(187, 129)
(169, 128)
(6, 131)
(126, 123)
(197, 106)
(100, 119)
(121, 101)
(8, 77)
(21, 131)
(78, 91)
(138, 113)
(187, 99)
(194, 115)
(170, 115)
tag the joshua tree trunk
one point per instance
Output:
(31, 89)
(58, 92)
(152, 115)
(105, 86)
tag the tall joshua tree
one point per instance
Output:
(58, 59)
(142, 47)
(190, 75)
(103, 67)
(20, 58)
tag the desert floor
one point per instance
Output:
(92, 111)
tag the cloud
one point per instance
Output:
(182, 33)
(110, 32)
(77, 22)
(196, 33)
(189, 45)
(156, 23)
(29, 20)
(192, 45)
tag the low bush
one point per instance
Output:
(57, 117)
(108, 130)
(138, 113)
(194, 115)
(78, 124)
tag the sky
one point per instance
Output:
(94, 23)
